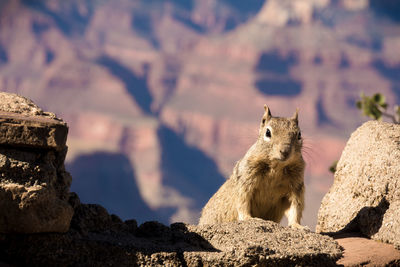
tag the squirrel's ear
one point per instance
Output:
(267, 111)
(296, 115)
(267, 114)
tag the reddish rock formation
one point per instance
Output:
(361, 251)
(203, 70)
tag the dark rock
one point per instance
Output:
(91, 217)
(152, 229)
(131, 226)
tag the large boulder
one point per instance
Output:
(365, 194)
(34, 186)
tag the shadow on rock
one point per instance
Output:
(367, 222)
(99, 239)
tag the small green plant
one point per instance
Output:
(375, 107)
(332, 168)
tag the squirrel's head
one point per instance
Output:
(280, 136)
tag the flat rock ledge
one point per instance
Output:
(96, 238)
(32, 131)
(24, 124)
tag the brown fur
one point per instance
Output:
(267, 182)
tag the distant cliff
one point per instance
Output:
(127, 75)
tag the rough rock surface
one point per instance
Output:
(96, 238)
(34, 185)
(365, 194)
(20, 105)
(24, 124)
(266, 243)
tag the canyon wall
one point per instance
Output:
(169, 94)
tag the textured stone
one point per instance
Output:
(365, 194)
(37, 132)
(17, 104)
(264, 243)
(98, 239)
(34, 185)
(24, 124)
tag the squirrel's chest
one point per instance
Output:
(273, 186)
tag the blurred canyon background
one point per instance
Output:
(163, 97)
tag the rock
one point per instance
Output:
(364, 196)
(98, 239)
(17, 104)
(264, 243)
(95, 218)
(35, 132)
(33, 182)
(24, 124)
(361, 251)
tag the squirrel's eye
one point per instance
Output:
(299, 135)
(268, 133)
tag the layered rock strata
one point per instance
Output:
(34, 185)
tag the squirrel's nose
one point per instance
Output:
(285, 151)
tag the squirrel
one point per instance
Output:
(268, 181)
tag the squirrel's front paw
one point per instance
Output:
(244, 216)
(300, 227)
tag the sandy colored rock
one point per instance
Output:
(96, 238)
(34, 185)
(364, 196)
(17, 104)
(264, 243)
(24, 124)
